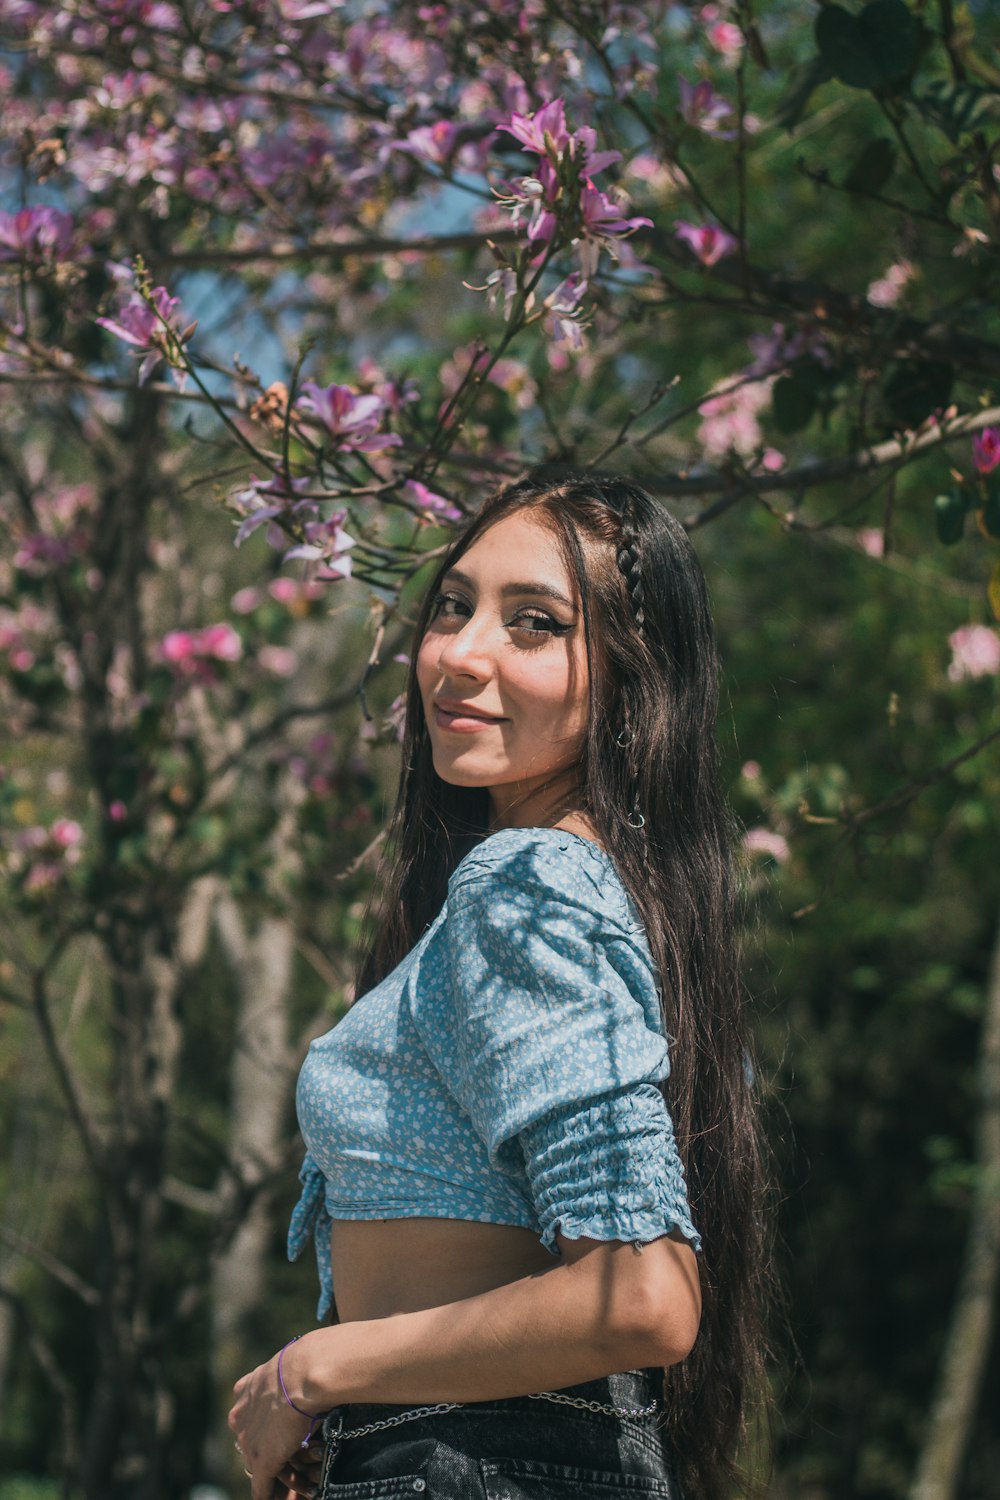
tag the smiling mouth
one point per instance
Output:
(462, 718)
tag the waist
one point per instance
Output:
(407, 1264)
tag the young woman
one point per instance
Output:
(533, 1169)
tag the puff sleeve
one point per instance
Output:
(553, 1043)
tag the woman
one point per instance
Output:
(493, 1176)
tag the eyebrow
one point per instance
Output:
(510, 590)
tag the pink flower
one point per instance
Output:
(36, 234)
(347, 416)
(326, 547)
(750, 770)
(986, 449)
(66, 833)
(871, 540)
(975, 652)
(428, 500)
(544, 129)
(766, 841)
(708, 241)
(117, 812)
(152, 326)
(703, 108)
(886, 290)
(190, 652)
(430, 142)
(281, 661)
(221, 642)
(726, 38)
(245, 601)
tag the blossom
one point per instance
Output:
(151, 324)
(433, 143)
(975, 652)
(886, 290)
(871, 540)
(326, 547)
(766, 841)
(36, 234)
(708, 241)
(730, 418)
(986, 449)
(281, 661)
(428, 500)
(703, 108)
(726, 38)
(190, 652)
(348, 416)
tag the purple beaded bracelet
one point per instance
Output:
(314, 1421)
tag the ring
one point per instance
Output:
(247, 1473)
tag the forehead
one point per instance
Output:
(520, 546)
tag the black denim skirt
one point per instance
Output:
(519, 1448)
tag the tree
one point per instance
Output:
(408, 284)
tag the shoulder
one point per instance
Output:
(541, 868)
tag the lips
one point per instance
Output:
(465, 711)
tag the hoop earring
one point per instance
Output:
(625, 737)
(636, 814)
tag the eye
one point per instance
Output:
(449, 607)
(538, 623)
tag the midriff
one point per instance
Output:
(387, 1266)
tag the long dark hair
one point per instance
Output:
(649, 784)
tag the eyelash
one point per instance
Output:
(552, 627)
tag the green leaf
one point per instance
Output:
(839, 41)
(870, 50)
(914, 388)
(957, 108)
(889, 33)
(873, 168)
(794, 403)
(949, 517)
(805, 80)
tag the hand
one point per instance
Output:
(269, 1435)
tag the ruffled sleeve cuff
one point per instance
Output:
(608, 1169)
(310, 1218)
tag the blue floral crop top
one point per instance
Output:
(505, 1072)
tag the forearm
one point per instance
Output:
(554, 1328)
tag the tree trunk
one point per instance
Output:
(261, 1080)
(967, 1347)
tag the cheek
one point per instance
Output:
(557, 688)
(427, 671)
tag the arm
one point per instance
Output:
(604, 1308)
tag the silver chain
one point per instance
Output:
(578, 1401)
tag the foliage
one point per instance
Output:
(336, 268)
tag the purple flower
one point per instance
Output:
(708, 241)
(542, 131)
(36, 234)
(703, 108)
(986, 449)
(326, 546)
(431, 142)
(348, 416)
(428, 500)
(150, 325)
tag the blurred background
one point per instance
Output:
(775, 306)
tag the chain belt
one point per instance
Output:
(334, 1434)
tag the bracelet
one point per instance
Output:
(314, 1421)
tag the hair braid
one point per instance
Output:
(628, 562)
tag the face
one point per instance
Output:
(502, 669)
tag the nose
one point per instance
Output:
(467, 652)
